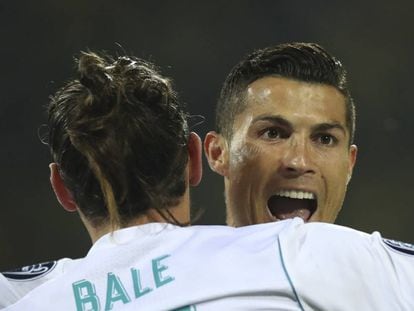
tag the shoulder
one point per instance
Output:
(348, 239)
(265, 229)
(342, 241)
(30, 272)
(327, 252)
(399, 247)
(8, 294)
(252, 235)
(39, 271)
(16, 283)
(20, 281)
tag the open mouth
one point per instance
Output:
(292, 203)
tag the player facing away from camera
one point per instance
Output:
(285, 123)
(124, 160)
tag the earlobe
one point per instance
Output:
(195, 162)
(216, 152)
(63, 195)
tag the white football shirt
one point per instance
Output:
(16, 283)
(286, 265)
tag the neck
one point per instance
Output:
(180, 212)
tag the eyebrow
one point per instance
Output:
(321, 127)
(276, 119)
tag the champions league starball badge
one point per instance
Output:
(30, 272)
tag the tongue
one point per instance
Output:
(284, 208)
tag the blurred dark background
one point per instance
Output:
(197, 42)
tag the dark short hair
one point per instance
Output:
(307, 62)
(119, 137)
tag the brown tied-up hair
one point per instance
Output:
(119, 137)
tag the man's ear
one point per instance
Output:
(216, 151)
(353, 151)
(63, 195)
(195, 161)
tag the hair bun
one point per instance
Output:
(141, 80)
(151, 91)
(93, 73)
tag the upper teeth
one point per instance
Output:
(294, 194)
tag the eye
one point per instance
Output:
(327, 139)
(273, 133)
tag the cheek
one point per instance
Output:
(243, 159)
(241, 153)
(336, 172)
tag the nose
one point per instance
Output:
(297, 159)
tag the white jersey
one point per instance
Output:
(16, 283)
(286, 265)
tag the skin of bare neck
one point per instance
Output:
(180, 212)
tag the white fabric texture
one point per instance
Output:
(12, 289)
(286, 265)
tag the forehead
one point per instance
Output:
(296, 101)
